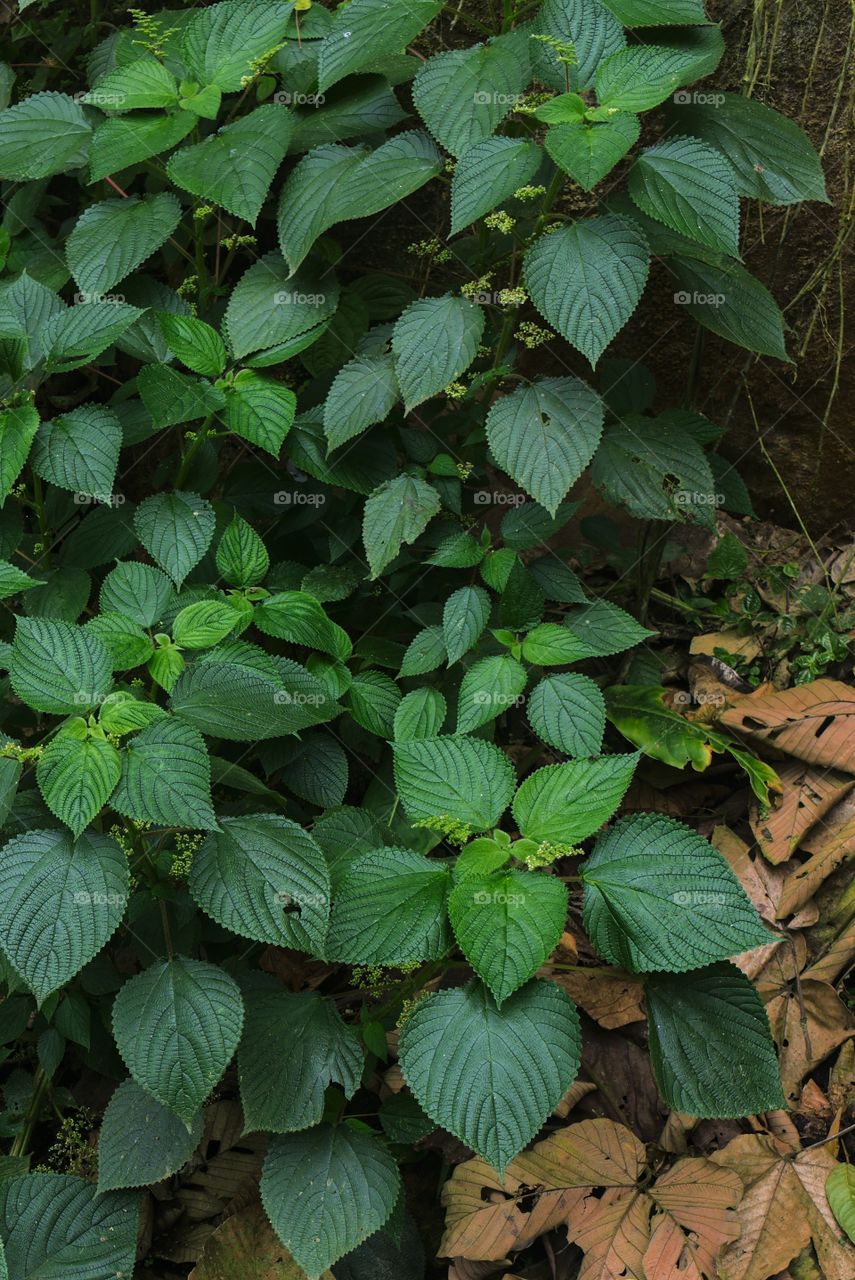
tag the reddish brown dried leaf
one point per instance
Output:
(814, 722)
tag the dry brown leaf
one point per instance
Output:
(782, 1210)
(814, 722)
(764, 885)
(587, 1177)
(746, 646)
(808, 1024)
(809, 794)
(836, 956)
(612, 998)
(578, 1090)
(841, 1080)
(828, 846)
(470, 1269)
(245, 1247)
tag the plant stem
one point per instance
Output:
(41, 1084)
(194, 448)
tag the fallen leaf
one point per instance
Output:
(588, 1177)
(814, 722)
(783, 1209)
(245, 1247)
(808, 1023)
(612, 998)
(809, 794)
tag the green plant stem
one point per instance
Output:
(413, 983)
(41, 1084)
(190, 454)
(44, 531)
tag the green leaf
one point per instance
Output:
(639, 78)
(367, 32)
(363, 393)
(588, 151)
(551, 645)
(489, 688)
(176, 530)
(507, 923)
(594, 31)
(465, 779)
(18, 427)
(265, 878)
(241, 694)
(220, 44)
(367, 108)
(545, 434)
(657, 13)
(79, 334)
(773, 159)
(728, 300)
(395, 514)
(689, 186)
(434, 341)
(641, 715)
(284, 1092)
(142, 1142)
(235, 167)
(13, 580)
(145, 82)
(29, 307)
(710, 1044)
(58, 1225)
(172, 397)
(603, 629)
(335, 183)
(389, 909)
(177, 1025)
(484, 81)
(567, 711)
(80, 451)
(62, 901)
(425, 652)
(352, 1185)
(420, 714)
(128, 645)
(655, 469)
(489, 173)
(527, 1057)
(58, 667)
(260, 410)
(565, 803)
(242, 557)
(44, 134)
(166, 778)
(373, 700)
(121, 713)
(586, 279)
(76, 774)
(464, 617)
(840, 1193)
(659, 896)
(298, 617)
(205, 623)
(138, 591)
(110, 239)
(126, 140)
(269, 308)
(195, 343)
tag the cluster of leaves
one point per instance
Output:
(189, 659)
